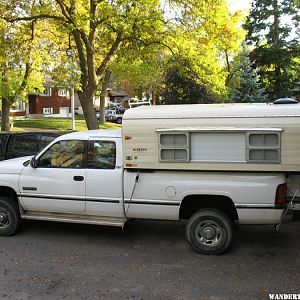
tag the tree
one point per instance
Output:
(100, 31)
(21, 59)
(96, 29)
(208, 35)
(140, 70)
(181, 86)
(272, 30)
(249, 89)
(202, 37)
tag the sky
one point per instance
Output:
(242, 5)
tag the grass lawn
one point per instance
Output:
(28, 124)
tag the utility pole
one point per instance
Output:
(73, 108)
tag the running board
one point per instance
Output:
(74, 218)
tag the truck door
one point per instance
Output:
(104, 177)
(57, 184)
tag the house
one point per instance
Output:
(51, 102)
(119, 97)
(113, 98)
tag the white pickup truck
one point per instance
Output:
(80, 178)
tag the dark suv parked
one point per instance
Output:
(17, 144)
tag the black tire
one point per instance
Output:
(10, 219)
(209, 231)
(119, 120)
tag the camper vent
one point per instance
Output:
(174, 147)
(263, 147)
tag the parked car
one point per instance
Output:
(115, 114)
(17, 144)
(285, 101)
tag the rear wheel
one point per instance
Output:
(10, 219)
(119, 120)
(209, 231)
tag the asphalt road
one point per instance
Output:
(151, 260)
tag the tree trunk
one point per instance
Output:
(5, 108)
(86, 100)
(154, 97)
(275, 46)
(102, 96)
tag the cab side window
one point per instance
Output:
(102, 155)
(63, 154)
(46, 140)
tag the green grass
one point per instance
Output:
(28, 124)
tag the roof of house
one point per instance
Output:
(118, 93)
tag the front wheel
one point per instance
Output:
(209, 231)
(9, 217)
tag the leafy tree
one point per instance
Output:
(248, 89)
(203, 35)
(21, 60)
(272, 30)
(181, 86)
(208, 35)
(101, 31)
(96, 29)
(140, 70)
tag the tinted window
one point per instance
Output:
(3, 140)
(102, 155)
(46, 140)
(63, 154)
(24, 144)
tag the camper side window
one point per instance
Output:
(174, 147)
(263, 147)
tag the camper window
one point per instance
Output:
(174, 147)
(263, 147)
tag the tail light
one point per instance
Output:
(281, 197)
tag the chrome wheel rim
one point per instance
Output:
(209, 233)
(4, 219)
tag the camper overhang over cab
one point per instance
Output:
(222, 137)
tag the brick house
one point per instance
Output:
(51, 102)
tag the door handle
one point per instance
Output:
(78, 178)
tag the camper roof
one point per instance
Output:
(247, 110)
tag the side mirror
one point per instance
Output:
(34, 162)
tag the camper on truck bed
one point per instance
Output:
(213, 165)
(236, 137)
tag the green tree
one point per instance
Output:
(248, 87)
(208, 36)
(21, 62)
(181, 86)
(272, 31)
(96, 29)
(202, 38)
(140, 70)
(101, 31)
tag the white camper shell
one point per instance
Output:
(213, 137)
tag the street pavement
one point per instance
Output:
(150, 260)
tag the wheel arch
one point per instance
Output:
(190, 204)
(6, 191)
